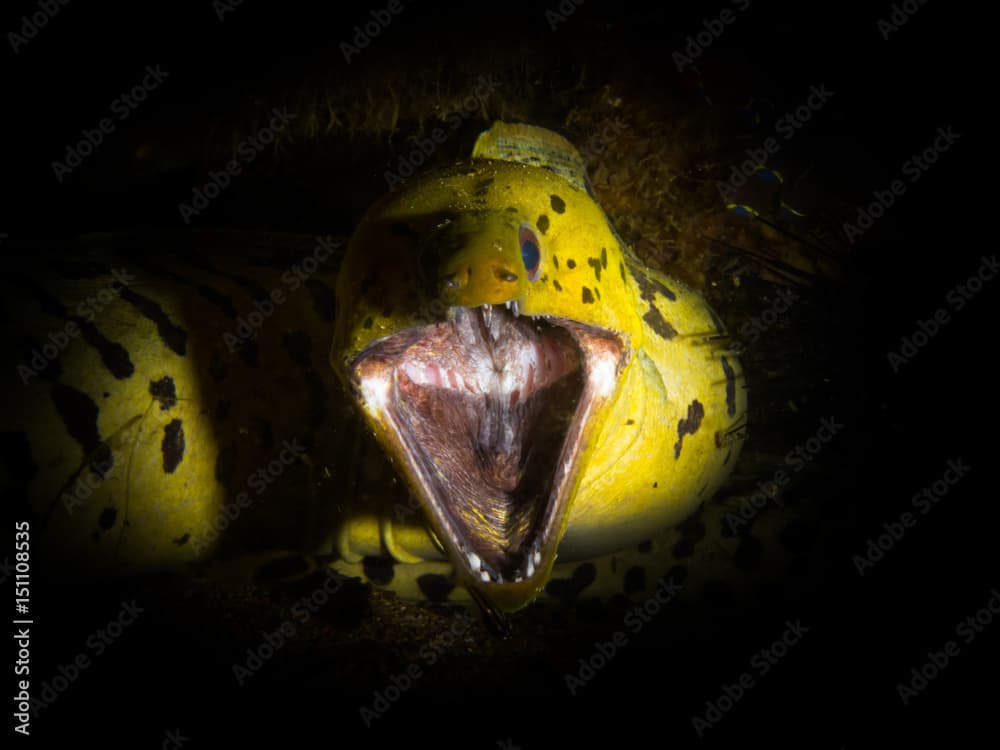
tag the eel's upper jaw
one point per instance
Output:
(488, 413)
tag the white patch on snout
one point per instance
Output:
(375, 390)
(602, 374)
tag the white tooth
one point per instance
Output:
(507, 304)
(514, 307)
(474, 560)
(484, 576)
(537, 557)
(530, 569)
(518, 578)
(466, 332)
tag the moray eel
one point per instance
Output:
(169, 398)
(553, 406)
(542, 392)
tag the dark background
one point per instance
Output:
(837, 688)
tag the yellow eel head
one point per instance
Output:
(484, 326)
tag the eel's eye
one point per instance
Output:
(530, 253)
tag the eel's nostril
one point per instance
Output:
(456, 279)
(504, 274)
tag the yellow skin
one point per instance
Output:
(452, 239)
(71, 499)
(148, 512)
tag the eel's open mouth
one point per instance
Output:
(488, 410)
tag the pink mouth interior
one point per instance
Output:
(483, 403)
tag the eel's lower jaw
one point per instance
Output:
(487, 415)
